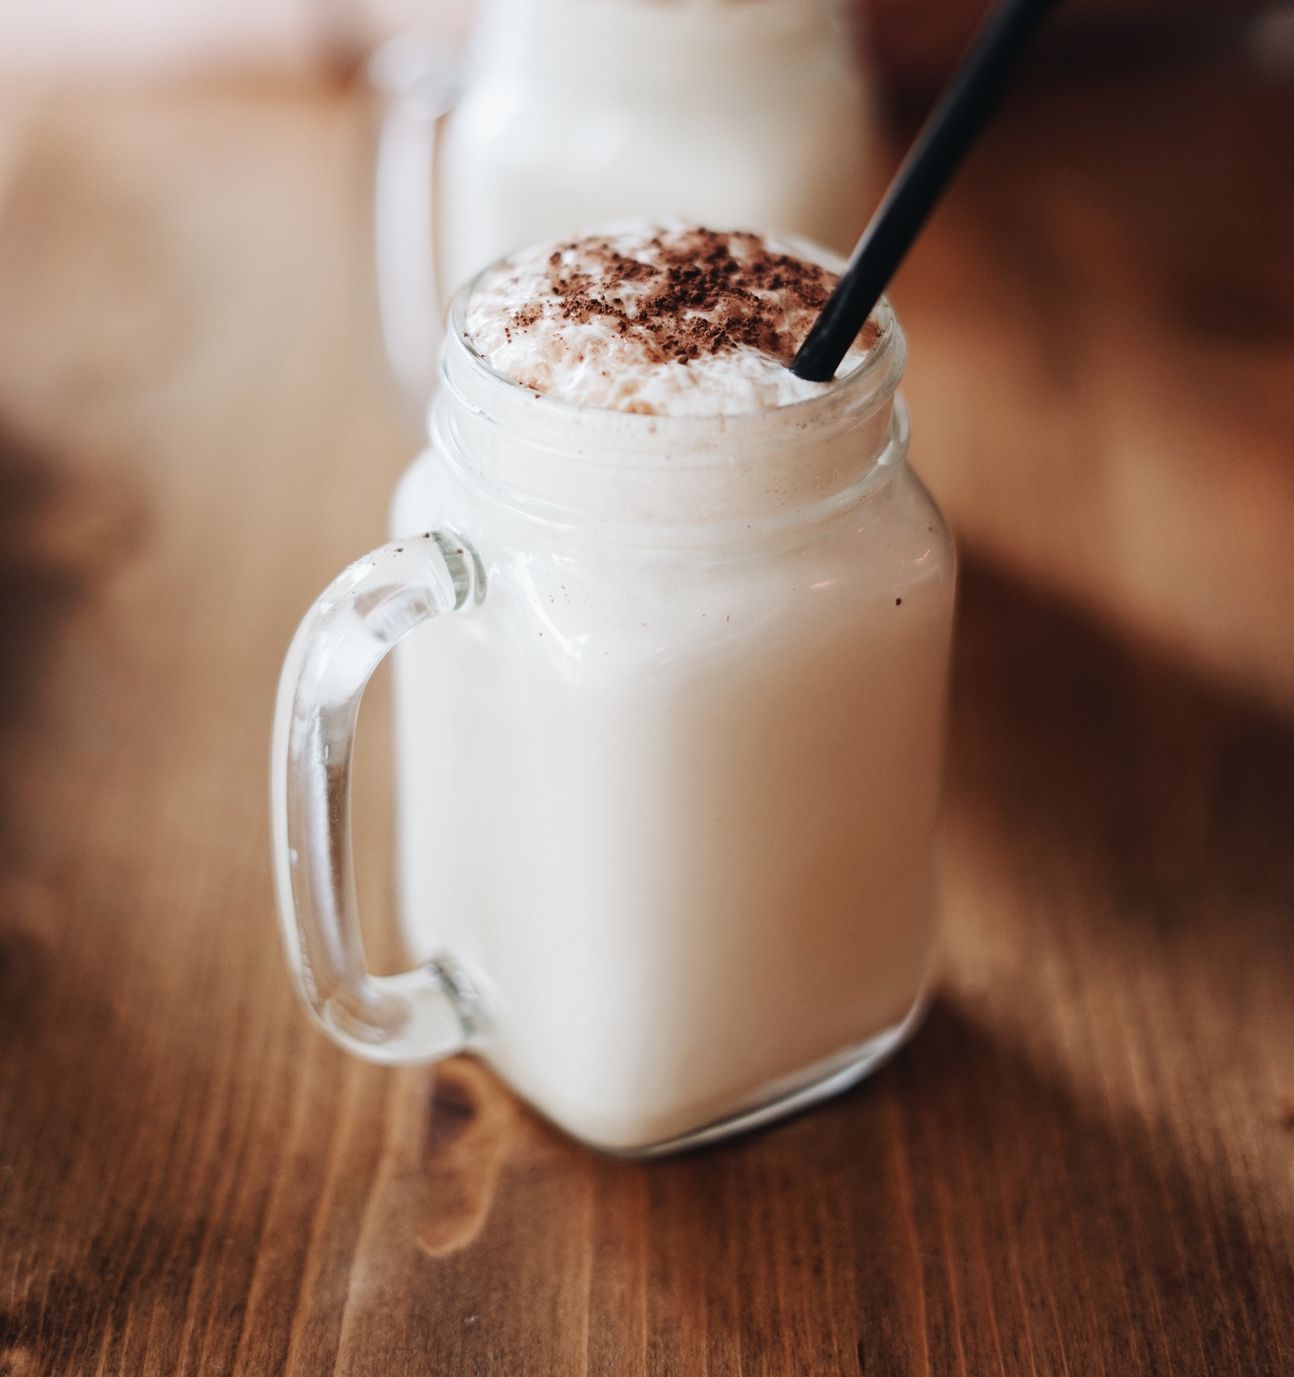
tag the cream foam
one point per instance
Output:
(673, 321)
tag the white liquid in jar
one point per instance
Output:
(668, 795)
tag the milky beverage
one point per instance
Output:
(577, 112)
(667, 794)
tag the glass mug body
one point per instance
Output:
(668, 781)
(576, 112)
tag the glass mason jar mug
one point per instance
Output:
(669, 714)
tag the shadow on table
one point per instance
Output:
(962, 1212)
(61, 535)
(35, 590)
(1174, 794)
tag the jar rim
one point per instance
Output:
(753, 470)
(847, 398)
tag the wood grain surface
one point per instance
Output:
(1083, 1165)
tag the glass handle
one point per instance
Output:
(418, 1015)
(421, 82)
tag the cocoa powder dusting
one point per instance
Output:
(696, 292)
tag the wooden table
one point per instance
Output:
(1082, 1166)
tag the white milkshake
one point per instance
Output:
(668, 789)
(576, 112)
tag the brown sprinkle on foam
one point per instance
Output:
(698, 292)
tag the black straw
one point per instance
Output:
(943, 142)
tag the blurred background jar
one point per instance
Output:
(572, 112)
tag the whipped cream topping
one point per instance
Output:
(672, 321)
